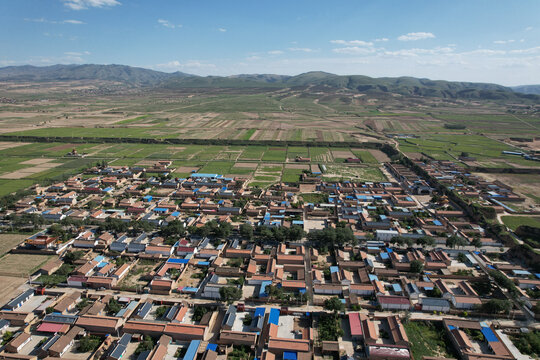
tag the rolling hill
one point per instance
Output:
(527, 89)
(408, 86)
(120, 73)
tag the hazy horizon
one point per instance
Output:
(485, 41)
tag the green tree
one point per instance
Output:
(146, 345)
(334, 304)
(246, 231)
(461, 257)
(476, 242)
(73, 256)
(89, 343)
(496, 306)
(230, 294)
(113, 307)
(161, 311)
(451, 241)
(174, 229)
(417, 266)
(199, 312)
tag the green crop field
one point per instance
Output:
(428, 339)
(514, 221)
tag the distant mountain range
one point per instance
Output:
(145, 77)
(527, 89)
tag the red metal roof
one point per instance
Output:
(394, 300)
(356, 326)
(52, 327)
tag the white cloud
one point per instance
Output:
(418, 52)
(354, 50)
(74, 22)
(307, 50)
(253, 58)
(168, 24)
(275, 52)
(352, 42)
(222, 30)
(85, 4)
(533, 50)
(189, 66)
(488, 52)
(76, 53)
(529, 28)
(381, 39)
(413, 36)
(46, 21)
(501, 42)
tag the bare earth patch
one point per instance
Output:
(10, 287)
(8, 144)
(186, 169)
(297, 166)
(246, 165)
(379, 155)
(9, 241)
(342, 154)
(19, 174)
(36, 161)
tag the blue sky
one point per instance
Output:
(466, 40)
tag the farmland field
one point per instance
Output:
(22, 264)
(261, 123)
(514, 221)
(9, 241)
(427, 339)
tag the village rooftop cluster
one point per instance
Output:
(152, 267)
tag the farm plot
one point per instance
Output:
(365, 156)
(252, 153)
(297, 151)
(428, 339)
(10, 287)
(292, 175)
(11, 186)
(337, 172)
(340, 154)
(275, 154)
(29, 171)
(320, 154)
(9, 241)
(22, 264)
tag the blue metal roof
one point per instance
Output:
(289, 355)
(199, 175)
(489, 334)
(372, 277)
(334, 269)
(273, 318)
(203, 263)
(192, 350)
(178, 261)
(259, 311)
(396, 287)
(384, 256)
(212, 347)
